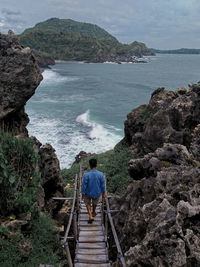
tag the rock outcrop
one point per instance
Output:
(159, 219)
(52, 181)
(19, 77)
(170, 117)
(43, 60)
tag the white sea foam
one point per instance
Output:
(69, 139)
(110, 62)
(50, 76)
(83, 119)
(101, 136)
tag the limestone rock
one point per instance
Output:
(81, 155)
(25, 248)
(15, 225)
(51, 176)
(19, 77)
(170, 117)
(159, 219)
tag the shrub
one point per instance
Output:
(44, 240)
(18, 178)
(113, 163)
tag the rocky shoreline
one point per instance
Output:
(158, 222)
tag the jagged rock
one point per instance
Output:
(157, 215)
(159, 220)
(25, 248)
(40, 197)
(15, 225)
(52, 181)
(19, 77)
(63, 214)
(151, 163)
(80, 156)
(195, 143)
(170, 117)
(43, 60)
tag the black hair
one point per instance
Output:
(93, 163)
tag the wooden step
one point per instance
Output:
(91, 239)
(90, 233)
(85, 210)
(91, 227)
(85, 222)
(86, 213)
(91, 245)
(92, 265)
(85, 217)
(88, 258)
(93, 251)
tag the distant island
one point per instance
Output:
(176, 51)
(66, 39)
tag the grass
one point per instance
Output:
(18, 195)
(44, 240)
(113, 163)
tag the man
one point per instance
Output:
(92, 188)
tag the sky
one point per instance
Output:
(162, 24)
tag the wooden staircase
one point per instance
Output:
(91, 247)
(91, 239)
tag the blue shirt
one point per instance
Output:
(93, 184)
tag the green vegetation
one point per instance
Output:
(74, 27)
(113, 163)
(18, 198)
(66, 39)
(43, 240)
(145, 113)
(18, 178)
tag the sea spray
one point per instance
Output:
(70, 138)
(50, 76)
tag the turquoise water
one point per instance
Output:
(83, 106)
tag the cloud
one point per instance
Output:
(11, 19)
(10, 12)
(159, 23)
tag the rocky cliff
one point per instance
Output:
(19, 78)
(158, 222)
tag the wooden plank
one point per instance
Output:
(92, 265)
(91, 228)
(88, 258)
(90, 233)
(85, 217)
(86, 211)
(95, 251)
(91, 239)
(91, 245)
(93, 223)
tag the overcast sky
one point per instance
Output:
(158, 23)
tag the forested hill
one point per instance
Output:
(66, 39)
(74, 27)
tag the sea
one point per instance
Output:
(82, 107)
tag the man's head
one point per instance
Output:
(93, 163)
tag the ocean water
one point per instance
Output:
(82, 106)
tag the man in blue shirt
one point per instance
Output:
(92, 188)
